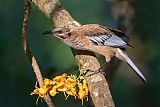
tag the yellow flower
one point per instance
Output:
(52, 82)
(61, 86)
(42, 91)
(47, 81)
(71, 82)
(81, 92)
(71, 86)
(74, 91)
(53, 91)
(67, 84)
(61, 77)
(71, 91)
(85, 87)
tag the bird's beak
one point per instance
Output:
(47, 32)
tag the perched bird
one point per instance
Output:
(96, 38)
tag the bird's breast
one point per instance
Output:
(75, 42)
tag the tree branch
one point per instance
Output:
(27, 51)
(97, 83)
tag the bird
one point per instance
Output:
(99, 39)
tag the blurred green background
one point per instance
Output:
(17, 78)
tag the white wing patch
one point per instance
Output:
(109, 40)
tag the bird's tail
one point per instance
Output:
(123, 56)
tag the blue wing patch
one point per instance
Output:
(108, 40)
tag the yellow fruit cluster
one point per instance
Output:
(70, 85)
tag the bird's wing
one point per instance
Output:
(101, 35)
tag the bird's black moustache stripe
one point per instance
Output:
(47, 32)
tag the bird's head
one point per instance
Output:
(61, 33)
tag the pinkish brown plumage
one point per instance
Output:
(96, 38)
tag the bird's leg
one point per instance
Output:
(100, 70)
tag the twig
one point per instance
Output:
(27, 51)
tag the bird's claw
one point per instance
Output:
(94, 72)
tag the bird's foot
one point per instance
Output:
(100, 70)
(94, 72)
